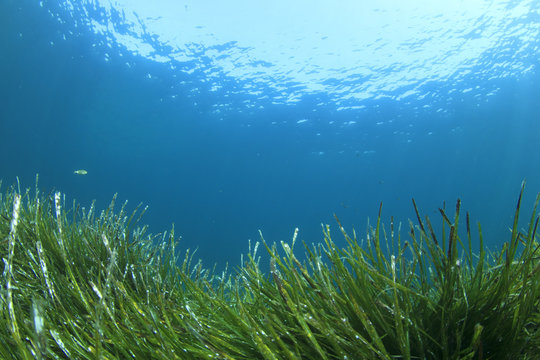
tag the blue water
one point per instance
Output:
(224, 130)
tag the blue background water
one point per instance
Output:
(224, 142)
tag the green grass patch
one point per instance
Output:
(86, 284)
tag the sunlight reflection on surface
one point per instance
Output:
(351, 52)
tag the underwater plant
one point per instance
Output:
(83, 284)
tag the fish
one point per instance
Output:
(80, 172)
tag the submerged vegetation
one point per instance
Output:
(82, 284)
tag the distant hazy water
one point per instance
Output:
(229, 117)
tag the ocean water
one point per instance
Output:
(227, 118)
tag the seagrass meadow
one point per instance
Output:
(78, 283)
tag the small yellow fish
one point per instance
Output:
(80, 172)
